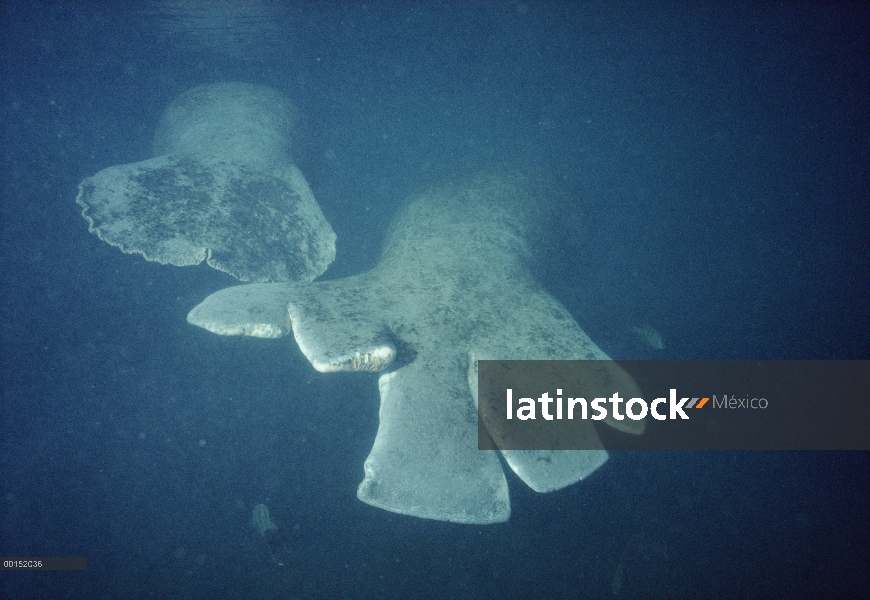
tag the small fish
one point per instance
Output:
(649, 335)
(261, 521)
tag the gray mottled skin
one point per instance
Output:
(222, 188)
(453, 285)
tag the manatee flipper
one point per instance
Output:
(540, 327)
(424, 461)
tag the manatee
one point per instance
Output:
(455, 283)
(221, 188)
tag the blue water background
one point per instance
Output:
(719, 152)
